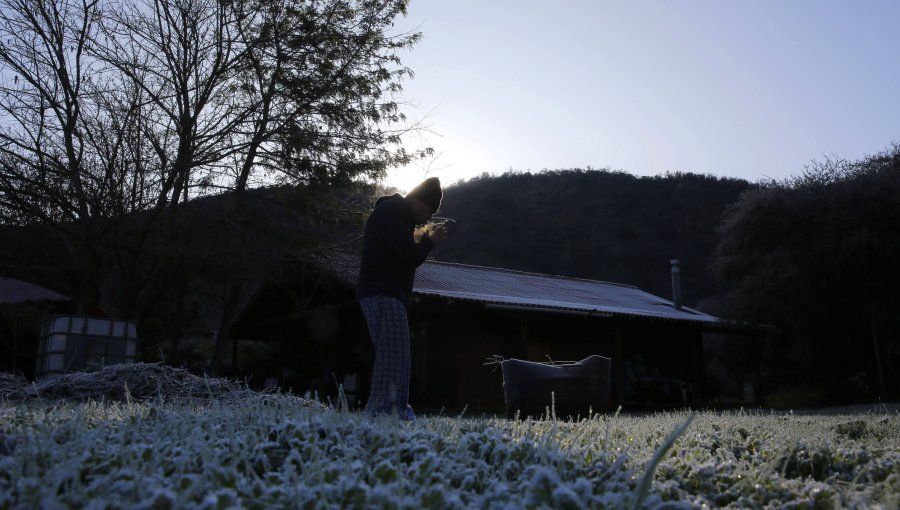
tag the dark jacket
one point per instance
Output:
(390, 256)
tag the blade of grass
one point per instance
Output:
(643, 487)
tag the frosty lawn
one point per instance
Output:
(276, 453)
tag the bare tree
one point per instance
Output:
(44, 93)
(182, 56)
(43, 71)
(136, 106)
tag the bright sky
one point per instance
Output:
(744, 88)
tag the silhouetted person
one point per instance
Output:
(390, 256)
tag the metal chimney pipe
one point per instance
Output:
(676, 284)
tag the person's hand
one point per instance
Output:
(438, 234)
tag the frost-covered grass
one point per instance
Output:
(278, 455)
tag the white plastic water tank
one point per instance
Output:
(74, 343)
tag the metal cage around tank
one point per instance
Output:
(73, 343)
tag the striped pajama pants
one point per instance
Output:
(389, 329)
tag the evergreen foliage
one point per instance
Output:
(816, 255)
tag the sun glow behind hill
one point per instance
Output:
(743, 89)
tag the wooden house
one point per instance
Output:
(463, 318)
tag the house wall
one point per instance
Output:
(320, 339)
(660, 363)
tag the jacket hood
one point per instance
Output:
(395, 196)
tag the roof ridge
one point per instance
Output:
(531, 273)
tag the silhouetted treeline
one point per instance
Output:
(173, 273)
(817, 255)
(602, 225)
(814, 255)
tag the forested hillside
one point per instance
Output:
(817, 256)
(603, 225)
(814, 255)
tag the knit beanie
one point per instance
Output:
(428, 192)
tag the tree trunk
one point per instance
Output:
(223, 336)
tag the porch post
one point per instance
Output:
(234, 357)
(755, 340)
(618, 365)
(697, 395)
(281, 354)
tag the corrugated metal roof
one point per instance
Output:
(508, 288)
